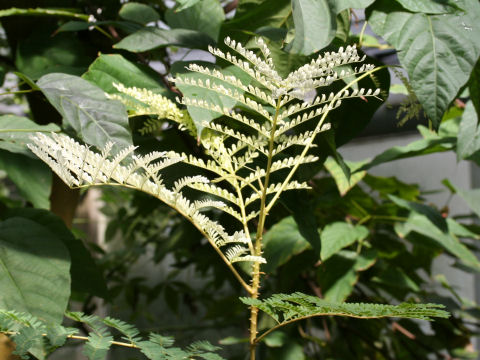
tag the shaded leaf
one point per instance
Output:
(474, 87)
(32, 177)
(438, 51)
(205, 16)
(338, 235)
(344, 184)
(150, 38)
(34, 276)
(282, 242)
(15, 132)
(138, 13)
(85, 108)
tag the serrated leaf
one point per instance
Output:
(114, 68)
(138, 13)
(150, 38)
(96, 348)
(282, 242)
(438, 51)
(34, 271)
(468, 140)
(429, 6)
(15, 132)
(31, 176)
(339, 235)
(85, 108)
(205, 16)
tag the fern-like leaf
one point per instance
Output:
(287, 308)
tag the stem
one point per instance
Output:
(258, 241)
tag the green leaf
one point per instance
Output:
(114, 68)
(429, 6)
(205, 16)
(287, 308)
(42, 54)
(150, 38)
(15, 132)
(422, 225)
(34, 271)
(339, 235)
(343, 183)
(438, 52)
(339, 274)
(42, 12)
(282, 242)
(315, 26)
(185, 4)
(86, 109)
(471, 197)
(138, 13)
(415, 148)
(396, 277)
(32, 177)
(354, 4)
(468, 140)
(474, 86)
(86, 276)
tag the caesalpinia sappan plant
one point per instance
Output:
(245, 148)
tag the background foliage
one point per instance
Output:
(355, 236)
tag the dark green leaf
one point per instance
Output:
(42, 54)
(282, 242)
(138, 13)
(474, 86)
(150, 38)
(114, 68)
(32, 177)
(34, 276)
(396, 277)
(85, 275)
(438, 52)
(339, 274)
(86, 109)
(205, 16)
(338, 235)
(16, 130)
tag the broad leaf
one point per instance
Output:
(42, 12)
(86, 276)
(205, 16)
(32, 177)
(468, 140)
(395, 277)
(42, 54)
(339, 235)
(438, 52)
(315, 26)
(429, 6)
(87, 110)
(185, 4)
(344, 184)
(282, 242)
(150, 38)
(355, 4)
(416, 148)
(474, 86)
(422, 225)
(15, 132)
(114, 68)
(138, 13)
(339, 274)
(34, 271)
(471, 197)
